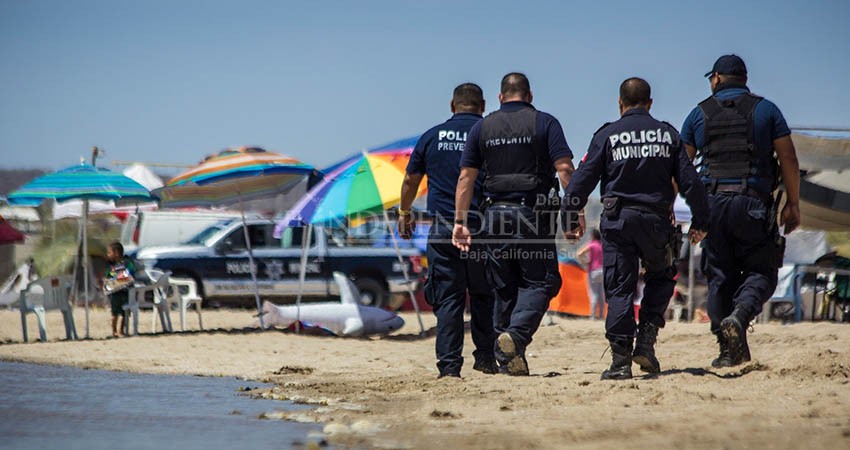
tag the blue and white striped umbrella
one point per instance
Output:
(82, 181)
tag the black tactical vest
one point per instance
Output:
(729, 150)
(514, 160)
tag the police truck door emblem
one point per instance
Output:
(312, 267)
(274, 270)
(238, 267)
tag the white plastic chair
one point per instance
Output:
(45, 294)
(138, 299)
(184, 294)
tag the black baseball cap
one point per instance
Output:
(728, 65)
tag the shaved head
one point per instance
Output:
(468, 97)
(635, 91)
(515, 84)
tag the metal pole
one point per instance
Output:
(85, 261)
(404, 270)
(252, 266)
(691, 301)
(302, 274)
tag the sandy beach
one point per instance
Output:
(383, 392)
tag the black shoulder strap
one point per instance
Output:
(710, 107)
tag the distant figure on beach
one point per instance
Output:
(595, 279)
(119, 277)
(743, 150)
(451, 274)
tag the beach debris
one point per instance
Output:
(288, 416)
(444, 414)
(336, 428)
(286, 370)
(366, 427)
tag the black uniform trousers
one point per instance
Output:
(450, 275)
(522, 268)
(633, 236)
(740, 258)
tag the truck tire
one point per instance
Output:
(372, 292)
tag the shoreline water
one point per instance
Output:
(52, 406)
(383, 392)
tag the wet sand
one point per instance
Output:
(383, 392)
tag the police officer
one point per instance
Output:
(637, 158)
(519, 149)
(450, 274)
(737, 138)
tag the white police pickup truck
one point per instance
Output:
(217, 259)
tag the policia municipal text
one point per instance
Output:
(636, 158)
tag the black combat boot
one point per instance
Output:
(722, 360)
(734, 329)
(644, 354)
(621, 365)
(486, 365)
(514, 362)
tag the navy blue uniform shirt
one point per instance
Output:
(547, 128)
(437, 154)
(636, 157)
(769, 125)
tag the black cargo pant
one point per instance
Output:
(522, 268)
(631, 237)
(450, 275)
(740, 257)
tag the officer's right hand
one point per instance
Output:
(406, 226)
(790, 217)
(696, 236)
(461, 237)
(577, 232)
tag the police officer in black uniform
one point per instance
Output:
(519, 149)
(738, 138)
(450, 274)
(637, 158)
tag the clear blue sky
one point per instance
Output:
(171, 81)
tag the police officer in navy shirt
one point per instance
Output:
(738, 138)
(637, 158)
(450, 275)
(519, 149)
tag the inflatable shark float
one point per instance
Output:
(346, 318)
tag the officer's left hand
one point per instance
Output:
(461, 237)
(790, 217)
(696, 236)
(406, 226)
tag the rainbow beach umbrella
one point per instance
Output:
(368, 182)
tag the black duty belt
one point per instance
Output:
(741, 190)
(645, 207)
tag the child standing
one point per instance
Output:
(119, 277)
